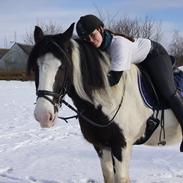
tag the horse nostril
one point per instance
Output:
(51, 117)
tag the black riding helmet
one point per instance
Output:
(87, 24)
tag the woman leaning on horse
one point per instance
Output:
(124, 51)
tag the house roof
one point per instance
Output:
(3, 51)
(26, 48)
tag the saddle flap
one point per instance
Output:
(149, 92)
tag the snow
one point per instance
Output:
(29, 154)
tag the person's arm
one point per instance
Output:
(114, 77)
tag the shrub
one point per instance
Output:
(15, 75)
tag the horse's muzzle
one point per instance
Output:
(44, 113)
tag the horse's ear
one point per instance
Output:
(38, 34)
(68, 33)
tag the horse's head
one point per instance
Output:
(50, 61)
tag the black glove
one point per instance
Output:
(114, 77)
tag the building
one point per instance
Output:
(16, 57)
(2, 52)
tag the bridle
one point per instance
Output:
(56, 101)
(53, 97)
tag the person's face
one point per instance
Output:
(95, 38)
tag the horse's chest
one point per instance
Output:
(103, 136)
(96, 135)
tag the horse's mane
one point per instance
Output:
(94, 66)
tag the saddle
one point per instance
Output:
(150, 94)
(153, 100)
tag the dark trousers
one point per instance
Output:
(159, 66)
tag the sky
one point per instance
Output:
(20, 16)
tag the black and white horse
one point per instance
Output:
(111, 118)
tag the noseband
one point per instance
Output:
(56, 101)
(57, 98)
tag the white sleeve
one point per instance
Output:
(120, 52)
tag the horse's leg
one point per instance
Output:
(106, 164)
(121, 158)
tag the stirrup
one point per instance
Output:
(152, 124)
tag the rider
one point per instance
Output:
(125, 50)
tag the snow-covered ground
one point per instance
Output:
(29, 154)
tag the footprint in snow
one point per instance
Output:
(5, 170)
(34, 180)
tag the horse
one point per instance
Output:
(112, 119)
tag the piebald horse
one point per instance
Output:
(111, 118)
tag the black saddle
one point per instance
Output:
(149, 92)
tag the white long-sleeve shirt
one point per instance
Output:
(124, 52)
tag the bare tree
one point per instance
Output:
(176, 47)
(135, 27)
(48, 28)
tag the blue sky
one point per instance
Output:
(20, 16)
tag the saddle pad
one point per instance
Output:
(149, 96)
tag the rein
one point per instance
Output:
(79, 114)
(45, 94)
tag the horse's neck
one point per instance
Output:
(99, 95)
